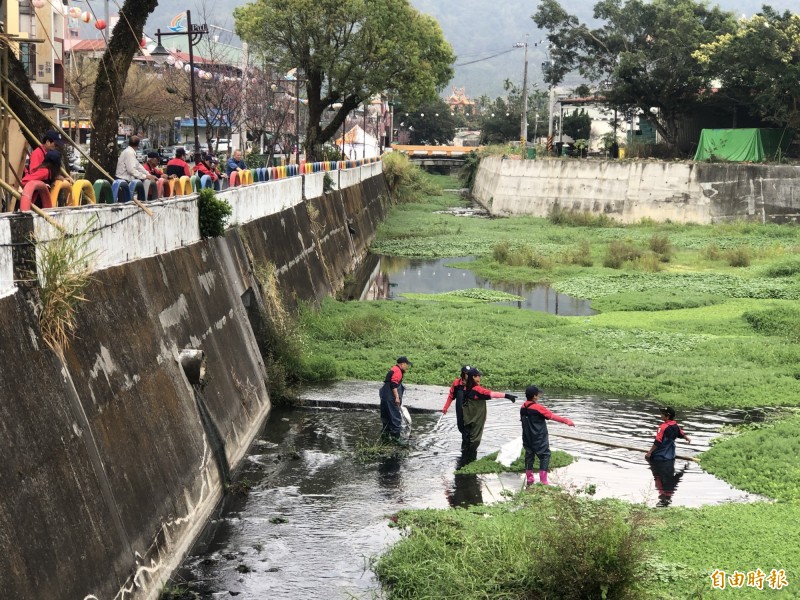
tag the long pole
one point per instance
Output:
(550, 118)
(524, 124)
(364, 147)
(191, 80)
(297, 118)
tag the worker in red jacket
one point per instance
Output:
(535, 437)
(457, 391)
(205, 167)
(391, 394)
(51, 140)
(48, 169)
(178, 167)
(475, 398)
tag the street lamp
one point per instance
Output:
(160, 54)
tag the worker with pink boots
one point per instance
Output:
(535, 439)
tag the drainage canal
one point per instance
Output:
(388, 278)
(314, 515)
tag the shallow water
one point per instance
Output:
(388, 278)
(303, 470)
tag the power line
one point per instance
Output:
(472, 62)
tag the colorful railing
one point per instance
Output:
(82, 192)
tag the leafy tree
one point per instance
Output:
(110, 83)
(347, 51)
(577, 125)
(641, 53)
(429, 124)
(759, 65)
(500, 123)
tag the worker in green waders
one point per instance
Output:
(475, 399)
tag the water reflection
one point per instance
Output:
(666, 479)
(389, 277)
(467, 490)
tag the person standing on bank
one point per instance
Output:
(391, 395)
(475, 398)
(457, 391)
(535, 437)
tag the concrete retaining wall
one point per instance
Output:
(6, 260)
(629, 191)
(112, 461)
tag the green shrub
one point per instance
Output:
(582, 255)
(213, 213)
(591, 549)
(739, 257)
(406, 181)
(711, 252)
(500, 252)
(781, 321)
(470, 169)
(649, 262)
(785, 269)
(659, 244)
(364, 328)
(561, 216)
(318, 369)
(619, 252)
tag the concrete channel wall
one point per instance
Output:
(632, 190)
(112, 461)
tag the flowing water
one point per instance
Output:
(388, 278)
(315, 515)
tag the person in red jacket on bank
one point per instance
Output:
(535, 438)
(475, 398)
(457, 391)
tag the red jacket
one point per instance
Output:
(457, 383)
(201, 170)
(36, 159)
(41, 173)
(177, 162)
(152, 170)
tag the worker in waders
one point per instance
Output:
(457, 391)
(535, 437)
(475, 398)
(391, 395)
(661, 456)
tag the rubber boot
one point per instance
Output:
(529, 477)
(543, 477)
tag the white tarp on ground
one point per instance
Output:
(359, 144)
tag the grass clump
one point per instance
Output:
(739, 257)
(489, 464)
(787, 268)
(653, 302)
(406, 181)
(620, 252)
(64, 269)
(545, 544)
(558, 215)
(660, 245)
(779, 320)
(213, 213)
(581, 255)
(520, 256)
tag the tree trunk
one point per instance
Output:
(111, 77)
(36, 122)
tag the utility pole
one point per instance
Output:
(550, 118)
(523, 127)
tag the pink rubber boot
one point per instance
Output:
(529, 477)
(542, 477)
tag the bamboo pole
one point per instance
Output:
(57, 127)
(614, 444)
(34, 208)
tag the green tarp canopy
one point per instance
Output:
(743, 145)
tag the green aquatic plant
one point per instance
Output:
(489, 464)
(467, 295)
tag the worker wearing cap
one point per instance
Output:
(151, 164)
(475, 399)
(391, 395)
(457, 391)
(51, 141)
(663, 447)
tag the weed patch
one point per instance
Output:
(489, 464)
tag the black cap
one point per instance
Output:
(53, 136)
(404, 359)
(53, 156)
(152, 155)
(669, 411)
(531, 391)
(465, 369)
(180, 152)
(473, 372)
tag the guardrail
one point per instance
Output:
(444, 151)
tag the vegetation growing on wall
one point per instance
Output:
(406, 181)
(65, 271)
(213, 213)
